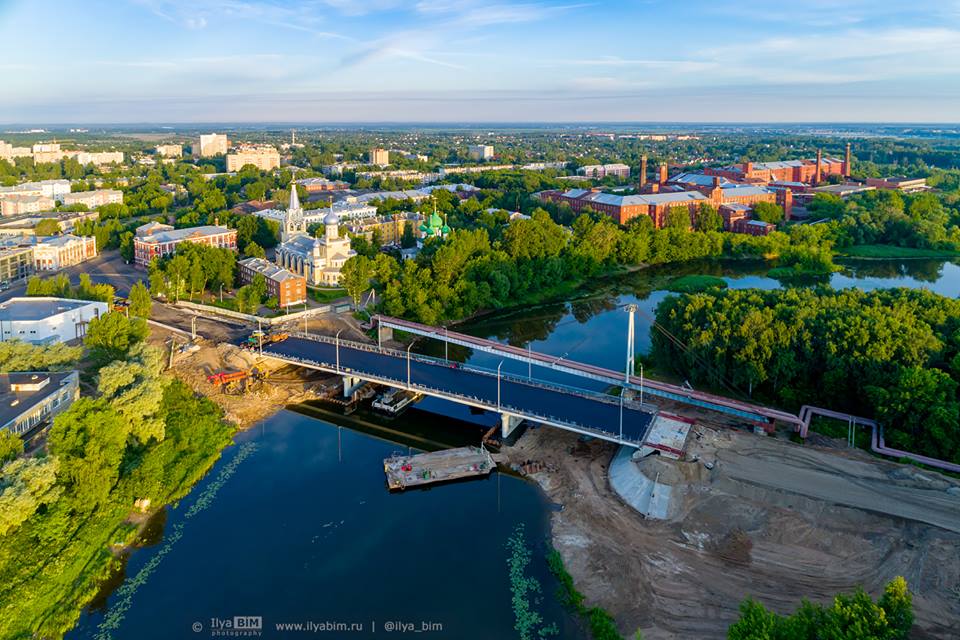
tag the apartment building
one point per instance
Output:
(287, 287)
(169, 150)
(16, 204)
(53, 253)
(94, 199)
(155, 240)
(480, 152)
(263, 157)
(212, 144)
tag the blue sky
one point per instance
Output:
(474, 60)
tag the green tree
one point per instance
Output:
(89, 440)
(135, 389)
(11, 446)
(25, 485)
(47, 227)
(253, 250)
(897, 602)
(708, 218)
(408, 239)
(111, 336)
(768, 212)
(355, 277)
(140, 302)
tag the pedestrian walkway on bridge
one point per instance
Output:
(588, 412)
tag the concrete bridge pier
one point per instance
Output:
(508, 423)
(350, 385)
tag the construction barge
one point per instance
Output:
(439, 466)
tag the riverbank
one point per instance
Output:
(730, 534)
(891, 252)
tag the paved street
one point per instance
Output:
(520, 397)
(106, 268)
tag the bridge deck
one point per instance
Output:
(748, 410)
(563, 407)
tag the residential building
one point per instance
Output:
(46, 152)
(10, 152)
(32, 398)
(616, 169)
(16, 263)
(349, 211)
(253, 206)
(454, 169)
(318, 260)
(263, 157)
(379, 157)
(24, 225)
(288, 288)
(42, 320)
(16, 204)
(55, 189)
(212, 144)
(97, 158)
(370, 198)
(169, 150)
(155, 240)
(900, 183)
(388, 228)
(94, 199)
(52, 253)
(480, 152)
(318, 185)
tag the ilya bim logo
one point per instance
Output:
(236, 627)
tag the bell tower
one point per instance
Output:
(293, 222)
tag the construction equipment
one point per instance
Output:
(222, 377)
(120, 304)
(255, 339)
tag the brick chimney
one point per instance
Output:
(747, 168)
(716, 181)
(663, 173)
(847, 163)
(643, 172)
(819, 173)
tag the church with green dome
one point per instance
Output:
(434, 226)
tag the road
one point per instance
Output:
(106, 268)
(518, 396)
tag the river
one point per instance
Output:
(294, 523)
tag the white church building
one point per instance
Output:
(318, 260)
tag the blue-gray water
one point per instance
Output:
(304, 530)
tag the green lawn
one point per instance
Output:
(327, 295)
(891, 251)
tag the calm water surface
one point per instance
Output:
(304, 530)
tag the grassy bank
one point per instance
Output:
(886, 251)
(602, 625)
(326, 295)
(696, 283)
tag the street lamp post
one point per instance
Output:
(446, 344)
(529, 363)
(338, 350)
(221, 293)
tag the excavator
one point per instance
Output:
(236, 380)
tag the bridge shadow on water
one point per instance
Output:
(415, 428)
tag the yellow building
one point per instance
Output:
(169, 150)
(390, 227)
(379, 157)
(263, 157)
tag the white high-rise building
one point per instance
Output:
(212, 144)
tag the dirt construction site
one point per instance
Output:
(749, 515)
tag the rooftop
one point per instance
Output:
(21, 391)
(178, 235)
(268, 269)
(38, 308)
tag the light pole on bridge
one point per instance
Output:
(622, 389)
(409, 346)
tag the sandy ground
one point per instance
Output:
(772, 520)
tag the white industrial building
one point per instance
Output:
(42, 320)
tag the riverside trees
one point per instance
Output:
(892, 354)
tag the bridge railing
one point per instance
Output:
(509, 377)
(478, 401)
